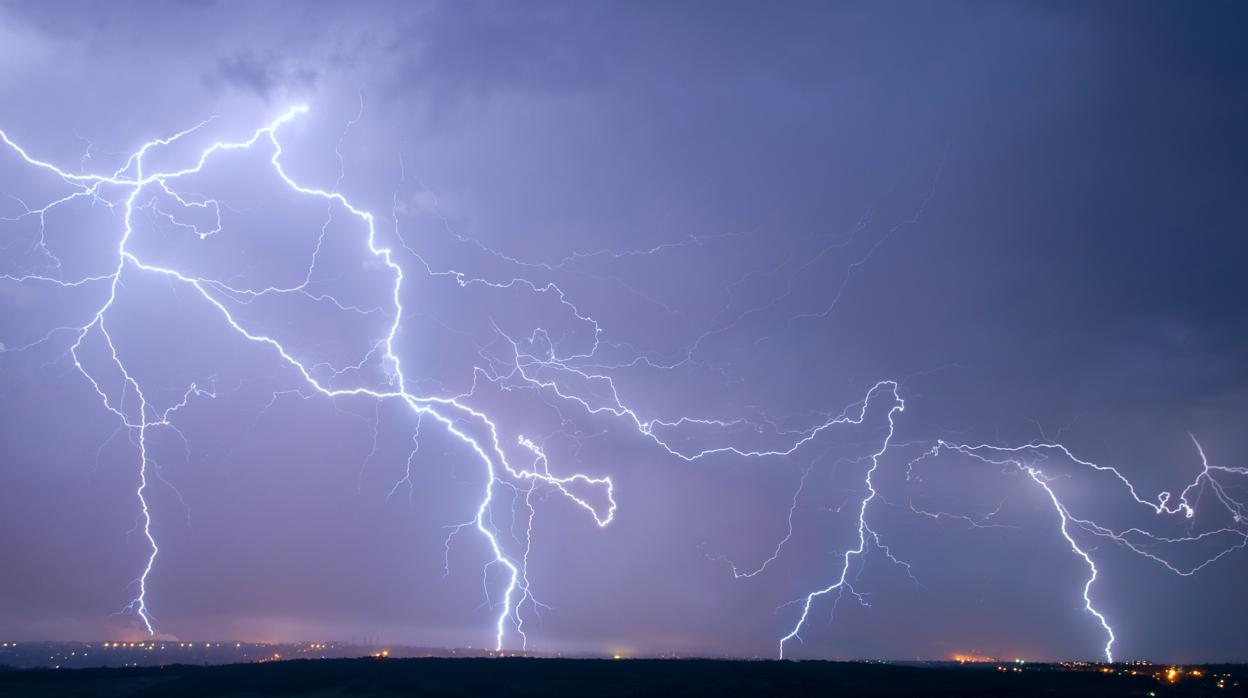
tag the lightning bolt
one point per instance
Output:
(864, 529)
(1028, 459)
(580, 378)
(134, 181)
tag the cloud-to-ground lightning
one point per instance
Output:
(579, 378)
(864, 530)
(1029, 460)
(134, 181)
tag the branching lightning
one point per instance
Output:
(133, 180)
(1028, 459)
(579, 378)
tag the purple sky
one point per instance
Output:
(702, 251)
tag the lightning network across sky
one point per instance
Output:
(833, 331)
(136, 185)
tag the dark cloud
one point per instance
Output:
(260, 74)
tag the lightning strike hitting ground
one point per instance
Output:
(132, 179)
(578, 378)
(1027, 460)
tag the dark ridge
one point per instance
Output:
(589, 677)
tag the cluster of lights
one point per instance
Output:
(1175, 673)
(152, 645)
(1168, 674)
(976, 659)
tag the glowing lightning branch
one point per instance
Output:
(863, 529)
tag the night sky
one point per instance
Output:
(702, 250)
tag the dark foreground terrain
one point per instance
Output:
(585, 677)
